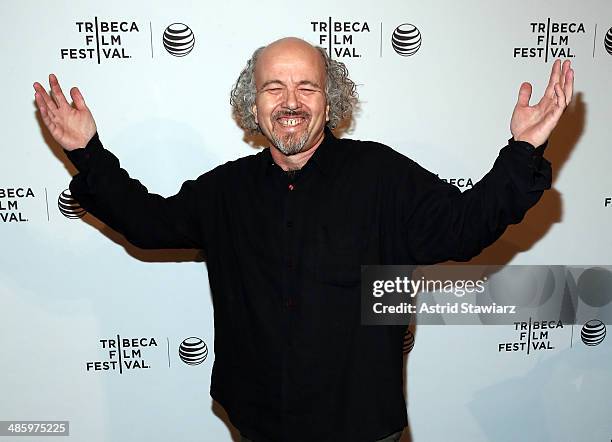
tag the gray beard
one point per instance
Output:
(290, 146)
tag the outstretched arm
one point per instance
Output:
(106, 190)
(443, 223)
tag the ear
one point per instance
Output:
(254, 110)
(327, 113)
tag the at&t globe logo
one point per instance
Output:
(408, 342)
(69, 207)
(179, 39)
(193, 351)
(406, 39)
(608, 41)
(593, 332)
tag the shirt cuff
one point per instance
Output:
(537, 175)
(81, 157)
(537, 151)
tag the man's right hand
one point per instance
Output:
(72, 126)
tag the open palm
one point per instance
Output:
(72, 126)
(535, 123)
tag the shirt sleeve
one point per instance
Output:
(441, 223)
(146, 219)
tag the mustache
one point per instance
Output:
(289, 114)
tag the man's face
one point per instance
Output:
(291, 108)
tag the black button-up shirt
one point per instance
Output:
(292, 361)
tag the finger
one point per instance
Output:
(56, 91)
(45, 96)
(524, 94)
(552, 117)
(44, 113)
(42, 106)
(77, 99)
(568, 88)
(554, 78)
(560, 96)
(40, 102)
(565, 66)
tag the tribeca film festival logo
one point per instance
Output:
(107, 40)
(69, 207)
(531, 336)
(406, 39)
(552, 39)
(9, 204)
(193, 351)
(536, 335)
(461, 182)
(130, 354)
(178, 39)
(122, 354)
(338, 36)
(103, 40)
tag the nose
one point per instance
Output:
(291, 100)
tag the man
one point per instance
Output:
(285, 231)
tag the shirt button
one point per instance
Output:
(290, 224)
(291, 187)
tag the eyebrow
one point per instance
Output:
(301, 83)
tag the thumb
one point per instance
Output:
(78, 99)
(524, 94)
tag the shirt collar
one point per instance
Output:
(322, 158)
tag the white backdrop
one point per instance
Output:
(67, 285)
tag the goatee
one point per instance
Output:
(290, 144)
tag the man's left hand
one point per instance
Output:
(534, 124)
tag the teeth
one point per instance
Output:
(290, 122)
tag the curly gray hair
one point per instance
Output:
(340, 92)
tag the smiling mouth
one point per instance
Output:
(290, 122)
(291, 119)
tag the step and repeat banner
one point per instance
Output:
(118, 342)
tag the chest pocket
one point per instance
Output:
(341, 251)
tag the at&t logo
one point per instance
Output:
(179, 39)
(193, 351)
(406, 39)
(593, 332)
(69, 207)
(408, 342)
(608, 41)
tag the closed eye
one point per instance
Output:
(274, 90)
